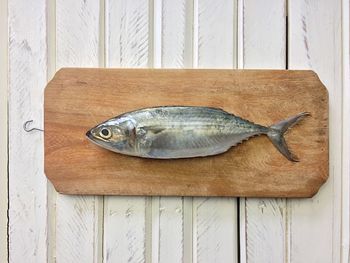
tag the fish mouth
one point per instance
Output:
(89, 135)
(92, 138)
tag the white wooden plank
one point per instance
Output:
(171, 230)
(188, 229)
(215, 33)
(124, 226)
(77, 44)
(215, 233)
(77, 36)
(27, 182)
(76, 234)
(215, 219)
(127, 45)
(215, 230)
(127, 31)
(264, 36)
(345, 245)
(214, 42)
(175, 38)
(315, 42)
(265, 226)
(263, 221)
(171, 37)
(3, 131)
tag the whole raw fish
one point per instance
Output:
(182, 132)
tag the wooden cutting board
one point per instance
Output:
(78, 99)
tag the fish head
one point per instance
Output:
(116, 134)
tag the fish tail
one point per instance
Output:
(277, 130)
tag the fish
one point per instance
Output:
(174, 132)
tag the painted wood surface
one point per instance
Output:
(27, 183)
(172, 49)
(263, 221)
(315, 42)
(77, 218)
(312, 233)
(345, 209)
(3, 132)
(214, 219)
(127, 45)
(170, 242)
(78, 99)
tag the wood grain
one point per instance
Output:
(77, 99)
(345, 217)
(263, 221)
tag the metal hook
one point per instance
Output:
(26, 128)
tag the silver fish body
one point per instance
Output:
(172, 132)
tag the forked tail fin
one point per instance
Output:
(276, 132)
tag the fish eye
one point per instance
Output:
(105, 133)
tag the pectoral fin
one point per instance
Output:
(154, 129)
